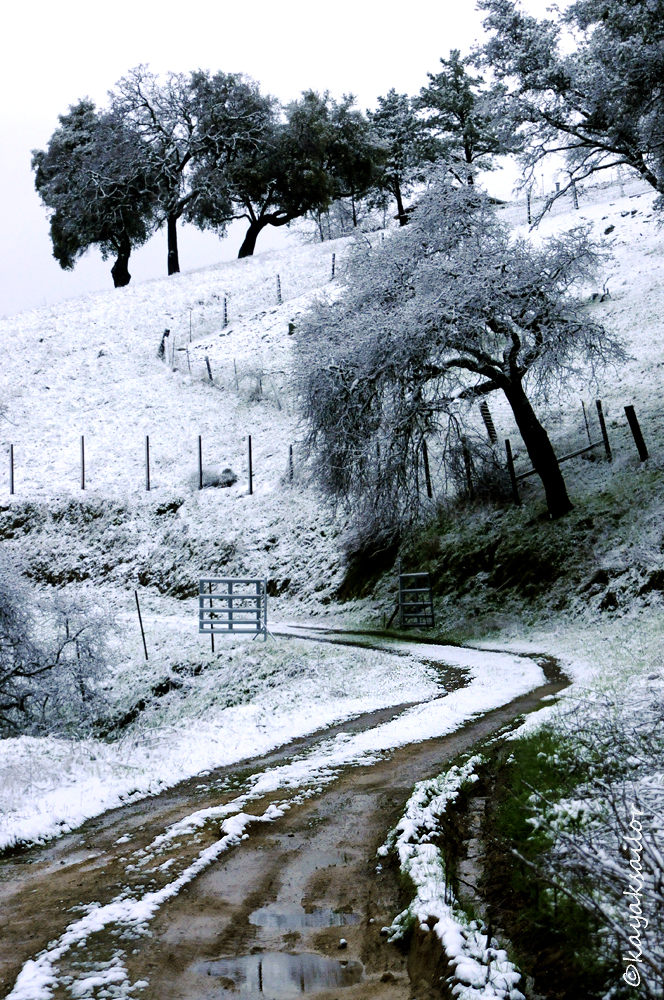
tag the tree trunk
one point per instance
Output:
(401, 216)
(249, 244)
(173, 258)
(540, 451)
(120, 270)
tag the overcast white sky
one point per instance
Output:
(57, 52)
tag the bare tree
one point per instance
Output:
(53, 654)
(444, 312)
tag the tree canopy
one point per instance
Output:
(408, 147)
(96, 178)
(429, 321)
(586, 84)
(466, 116)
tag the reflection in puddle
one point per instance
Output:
(281, 976)
(291, 918)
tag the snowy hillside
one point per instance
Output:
(90, 367)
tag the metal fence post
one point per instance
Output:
(82, 462)
(147, 463)
(251, 471)
(11, 468)
(200, 462)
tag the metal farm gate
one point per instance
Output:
(231, 605)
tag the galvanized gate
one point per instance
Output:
(415, 600)
(232, 605)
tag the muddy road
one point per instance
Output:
(229, 885)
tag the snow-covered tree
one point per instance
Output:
(409, 148)
(450, 309)
(52, 656)
(466, 116)
(315, 152)
(586, 84)
(96, 178)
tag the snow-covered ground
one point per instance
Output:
(49, 786)
(90, 367)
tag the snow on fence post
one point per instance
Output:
(225, 311)
(605, 436)
(528, 205)
(140, 622)
(290, 463)
(209, 370)
(147, 463)
(427, 475)
(200, 462)
(278, 290)
(333, 263)
(190, 311)
(510, 466)
(11, 468)
(636, 433)
(575, 195)
(82, 462)
(251, 473)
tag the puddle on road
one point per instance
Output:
(282, 977)
(292, 918)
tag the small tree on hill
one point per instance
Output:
(447, 312)
(466, 117)
(52, 658)
(96, 178)
(407, 144)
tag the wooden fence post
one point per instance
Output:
(605, 436)
(225, 311)
(469, 468)
(510, 466)
(290, 463)
(278, 290)
(528, 206)
(11, 468)
(585, 417)
(82, 462)
(251, 474)
(209, 370)
(333, 263)
(488, 422)
(636, 433)
(200, 462)
(427, 475)
(147, 463)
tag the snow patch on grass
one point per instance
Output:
(480, 970)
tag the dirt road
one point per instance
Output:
(215, 889)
